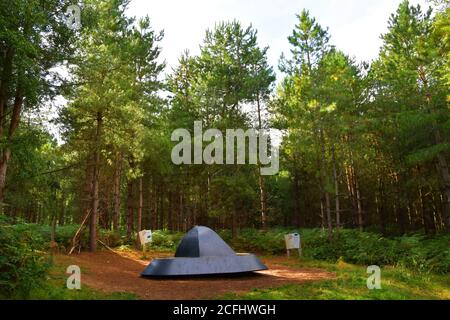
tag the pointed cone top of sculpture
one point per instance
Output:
(203, 252)
(202, 242)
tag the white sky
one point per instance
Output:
(355, 25)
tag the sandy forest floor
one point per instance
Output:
(120, 272)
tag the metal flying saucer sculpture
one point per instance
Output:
(203, 252)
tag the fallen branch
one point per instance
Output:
(106, 246)
(74, 240)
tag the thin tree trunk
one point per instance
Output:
(140, 206)
(3, 167)
(423, 210)
(139, 211)
(323, 179)
(130, 214)
(95, 178)
(149, 205)
(359, 204)
(381, 206)
(181, 213)
(296, 196)
(14, 123)
(350, 190)
(62, 215)
(262, 200)
(328, 210)
(322, 215)
(400, 209)
(161, 208)
(262, 191)
(170, 210)
(5, 83)
(116, 200)
(336, 192)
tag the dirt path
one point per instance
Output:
(119, 272)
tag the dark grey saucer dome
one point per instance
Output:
(203, 252)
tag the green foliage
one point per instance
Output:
(259, 241)
(417, 252)
(42, 234)
(425, 254)
(22, 266)
(309, 41)
(165, 240)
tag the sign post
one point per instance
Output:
(293, 242)
(145, 236)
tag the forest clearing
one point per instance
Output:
(116, 276)
(149, 151)
(120, 273)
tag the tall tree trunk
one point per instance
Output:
(381, 206)
(350, 190)
(336, 191)
(262, 201)
(354, 192)
(400, 207)
(139, 211)
(4, 160)
(151, 200)
(5, 83)
(262, 191)
(358, 203)
(62, 215)
(323, 180)
(161, 208)
(38, 213)
(296, 197)
(423, 211)
(130, 206)
(105, 218)
(328, 210)
(95, 178)
(322, 215)
(179, 210)
(116, 199)
(170, 210)
(14, 123)
(140, 206)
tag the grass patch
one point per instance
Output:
(350, 284)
